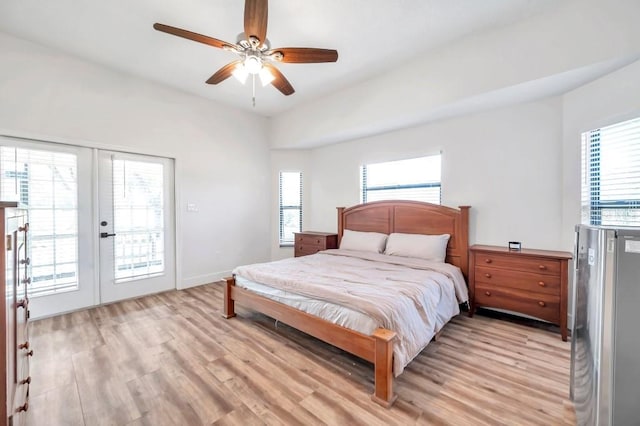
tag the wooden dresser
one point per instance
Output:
(527, 281)
(15, 351)
(309, 242)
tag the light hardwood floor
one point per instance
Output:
(171, 359)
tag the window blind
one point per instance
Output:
(415, 179)
(45, 183)
(611, 175)
(290, 188)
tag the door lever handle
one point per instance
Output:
(106, 234)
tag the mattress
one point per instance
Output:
(365, 291)
(337, 314)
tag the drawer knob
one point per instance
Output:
(26, 280)
(488, 275)
(24, 345)
(542, 267)
(22, 408)
(26, 381)
(24, 228)
(488, 293)
(542, 304)
(30, 353)
(26, 261)
(317, 241)
(541, 284)
(487, 261)
(22, 303)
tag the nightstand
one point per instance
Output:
(527, 281)
(310, 242)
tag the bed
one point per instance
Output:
(377, 346)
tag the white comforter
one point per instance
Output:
(399, 294)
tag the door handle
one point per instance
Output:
(106, 234)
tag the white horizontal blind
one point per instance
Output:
(611, 175)
(415, 179)
(45, 182)
(138, 219)
(290, 188)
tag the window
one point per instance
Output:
(611, 175)
(416, 179)
(45, 182)
(290, 206)
(138, 218)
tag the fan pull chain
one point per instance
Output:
(253, 79)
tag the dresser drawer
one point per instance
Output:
(304, 250)
(521, 263)
(539, 305)
(527, 281)
(21, 406)
(309, 240)
(312, 242)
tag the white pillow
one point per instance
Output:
(430, 247)
(363, 241)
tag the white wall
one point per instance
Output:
(504, 163)
(221, 154)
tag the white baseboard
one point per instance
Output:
(202, 279)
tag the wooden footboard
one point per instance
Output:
(377, 348)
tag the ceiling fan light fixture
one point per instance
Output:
(252, 64)
(266, 77)
(240, 73)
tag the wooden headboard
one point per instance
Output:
(412, 217)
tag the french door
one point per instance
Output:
(101, 223)
(54, 183)
(136, 225)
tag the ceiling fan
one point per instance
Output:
(256, 55)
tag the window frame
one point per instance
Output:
(364, 188)
(282, 208)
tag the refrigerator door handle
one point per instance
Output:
(576, 248)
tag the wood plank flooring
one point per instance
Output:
(171, 359)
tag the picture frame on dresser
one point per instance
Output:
(527, 281)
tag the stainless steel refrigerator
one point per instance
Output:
(605, 344)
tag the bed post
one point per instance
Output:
(383, 366)
(340, 223)
(464, 234)
(229, 303)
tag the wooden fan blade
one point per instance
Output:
(191, 36)
(223, 73)
(255, 19)
(280, 82)
(306, 55)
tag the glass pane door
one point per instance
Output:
(138, 219)
(136, 225)
(49, 181)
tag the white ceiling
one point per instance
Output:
(371, 36)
